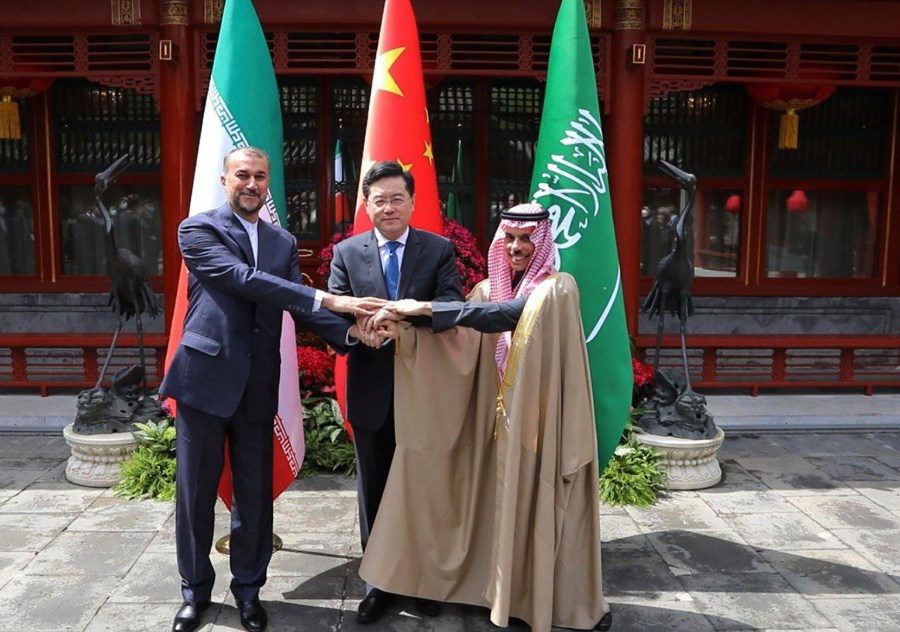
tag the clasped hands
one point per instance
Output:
(377, 320)
(384, 325)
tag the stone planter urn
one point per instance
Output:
(689, 463)
(96, 459)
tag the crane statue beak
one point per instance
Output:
(105, 178)
(683, 177)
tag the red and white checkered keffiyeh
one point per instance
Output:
(542, 264)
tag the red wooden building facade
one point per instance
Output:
(797, 250)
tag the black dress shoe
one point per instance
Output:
(253, 615)
(605, 622)
(373, 606)
(428, 607)
(187, 618)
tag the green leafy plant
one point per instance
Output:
(150, 470)
(634, 475)
(328, 447)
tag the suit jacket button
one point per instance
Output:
(249, 355)
(256, 330)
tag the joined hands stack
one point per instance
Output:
(383, 324)
(377, 319)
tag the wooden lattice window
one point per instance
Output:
(825, 199)
(95, 125)
(703, 132)
(451, 107)
(349, 111)
(17, 254)
(514, 120)
(299, 111)
(846, 137)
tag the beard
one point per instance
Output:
(245, 203)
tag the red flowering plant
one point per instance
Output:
(315, 360)
(643, 381)
(469, 261)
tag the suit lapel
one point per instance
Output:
(373, 262)
(410, 257)
(237, 232)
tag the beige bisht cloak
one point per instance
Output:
(493, 501)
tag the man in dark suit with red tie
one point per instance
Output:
(391, 261)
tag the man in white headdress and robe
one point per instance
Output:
(492, 497)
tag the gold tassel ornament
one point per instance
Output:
(788, 130)
(10, 128)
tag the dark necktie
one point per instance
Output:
(392, 270)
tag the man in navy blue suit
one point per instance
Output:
(243, 273)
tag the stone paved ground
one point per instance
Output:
(804, 534)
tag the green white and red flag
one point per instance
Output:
(341, 203)
(243, 109)
(570, 179)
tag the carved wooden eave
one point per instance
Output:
(593, 13)
(125, 12)
(173, 12)
(212, 11)
(677, 15)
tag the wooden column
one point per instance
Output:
(624, 147)
(178, 122)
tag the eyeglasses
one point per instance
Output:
(381, 203)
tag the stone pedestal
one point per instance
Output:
(689, 463)
(96, 459)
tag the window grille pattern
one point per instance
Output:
(451, 107)
(299, 111)
(514, 119)
(845, 137)
(96, 124)
(349, 111)
(704, 131)
(14, 154)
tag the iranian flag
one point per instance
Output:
(397, 129)
(243, 109)
(341, 203)
(570, 179)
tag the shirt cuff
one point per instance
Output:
(317, 301)
(350, 340)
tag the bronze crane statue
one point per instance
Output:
(131, 294)
(671, 291)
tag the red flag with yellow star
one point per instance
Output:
(397, 127)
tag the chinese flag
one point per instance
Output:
(397, 129)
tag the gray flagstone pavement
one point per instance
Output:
(803, 534)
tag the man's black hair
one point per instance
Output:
(387, 169)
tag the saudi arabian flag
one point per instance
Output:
(243, 109)
(570, 179)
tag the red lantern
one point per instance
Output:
(789, 98)
(17, 88)
(733, 204)
(797, 202)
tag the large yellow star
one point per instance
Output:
(382, 79)
(405, 166)
(428, 153)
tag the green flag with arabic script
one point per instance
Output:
(571, 180)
